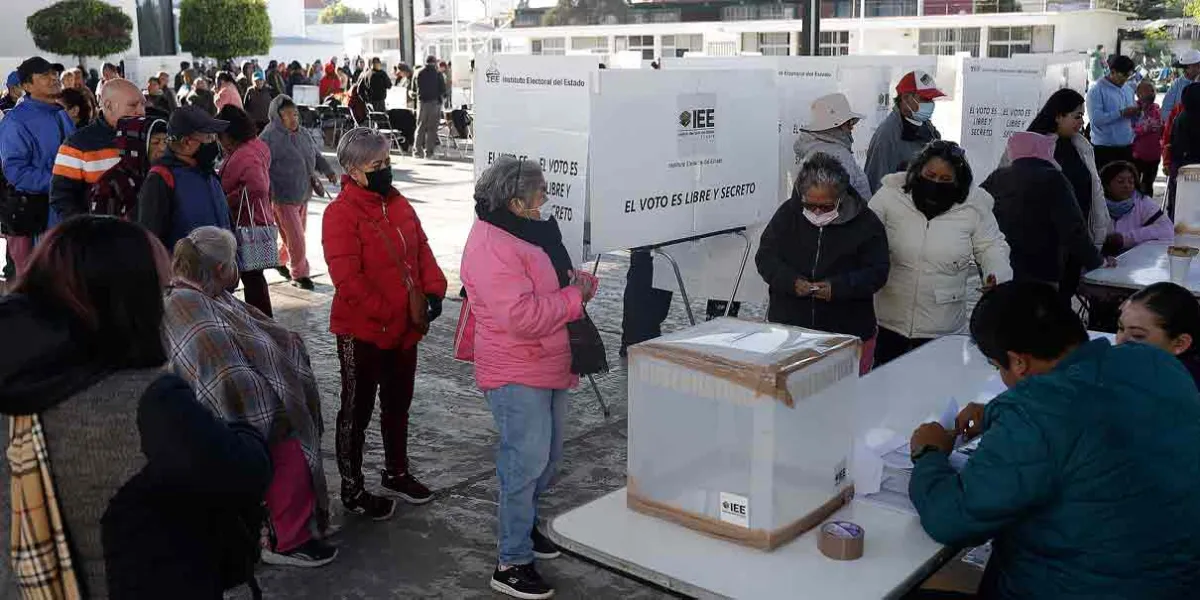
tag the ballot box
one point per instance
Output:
(735, 429)
(1187, 206)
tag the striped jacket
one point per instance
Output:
(81, 160)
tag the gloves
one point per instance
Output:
(435, 306)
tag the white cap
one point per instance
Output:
(829, 112)
(1188, 57)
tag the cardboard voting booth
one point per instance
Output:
(729, 433)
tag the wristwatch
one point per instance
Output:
(923, 450)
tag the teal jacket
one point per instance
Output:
(1087, 479)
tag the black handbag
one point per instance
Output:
(587, 348)
(24, 214)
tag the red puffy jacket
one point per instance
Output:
(364, 237)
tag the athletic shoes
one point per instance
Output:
(310, 554)
(374, 507)
(521, 581)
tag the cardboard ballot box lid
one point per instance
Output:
(759, 356)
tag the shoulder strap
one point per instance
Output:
(1154, 217)
(165, 173)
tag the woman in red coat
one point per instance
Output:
(388, 288)
(330, 84)
(246, 180)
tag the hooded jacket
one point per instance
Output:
(248, 169)
(294, 159)
(851, 254)
(228, 95)
(931, 260)
(364, 236)
(838, 145)
(144, 474)
(1085, 480)
(330, 83)
(894, 144)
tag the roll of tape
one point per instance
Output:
(841, 540)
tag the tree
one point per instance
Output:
(340, 13)
(224, 29)
(81, 28)
(588, 12)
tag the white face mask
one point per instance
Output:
(821, 219)
(543, 213)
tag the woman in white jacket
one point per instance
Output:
(939, 228)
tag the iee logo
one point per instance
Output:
(699, 118)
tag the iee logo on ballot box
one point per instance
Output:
(697, 131)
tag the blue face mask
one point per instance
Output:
(923, 113)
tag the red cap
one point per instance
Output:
(919, 83)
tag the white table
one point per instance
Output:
(1140, 267)
(899, 555)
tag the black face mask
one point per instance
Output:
(206, 155)
(933, 198)
(380, 181)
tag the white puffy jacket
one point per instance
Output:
(926, 292)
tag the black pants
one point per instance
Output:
(367, 370)
(645, 308)
(890, 345)
(254, 288)
(1108, 154)
(1149, 172)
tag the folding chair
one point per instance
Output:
(381, 123)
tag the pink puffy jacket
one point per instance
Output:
(520, 312)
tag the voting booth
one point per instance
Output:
(729, 433)
(1187, 205)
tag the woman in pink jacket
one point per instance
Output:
(1136, 218)
(246, 180)
(522, 291)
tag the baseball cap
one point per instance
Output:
(14, 79)
(33, 66)
(829, 112)
(919, 83)
(187, 120)
(1187, 57)
(258, 76)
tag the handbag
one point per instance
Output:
(418, 304)
(23, 214)
(258, 245)
(587, 348)
(464, 333)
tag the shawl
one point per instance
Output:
(246, 367)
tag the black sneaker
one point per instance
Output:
(521, 581)
(305, 283)
(543, 548)
(375, 507)
(285, 272)
(313, 553)
(406, 487)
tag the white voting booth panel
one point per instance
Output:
(676, 154)
(306, 95)
(728, 432)
(1187, 202)
(538, 108)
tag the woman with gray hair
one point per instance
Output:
(388, 288)
(247, 368)
(522, 292)
(824, 255)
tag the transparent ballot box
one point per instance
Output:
(730, 433)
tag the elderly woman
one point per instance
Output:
(295, 158)
(1136, 218)
(245, 367)
(824, 255)
(388, 289)
(939, 228)
(523, 292)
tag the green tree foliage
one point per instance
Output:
(341, 13)
(81, 28)
(588, 12)
(224, 29)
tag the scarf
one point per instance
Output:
(1116, 210)
(245, 366)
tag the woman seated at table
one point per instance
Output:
(938, 228)
(1136, 218)
(246, 367)
(824, 255)
(1167, 316)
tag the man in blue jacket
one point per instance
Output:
(29, 138)
(1087, 476)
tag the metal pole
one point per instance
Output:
(687, 302)
(810, 44)
(741, 269)
(408, 51)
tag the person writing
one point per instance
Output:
(1166, 316)
(824, 255)
(906, 130)
(1136, 218)
(1088, 468)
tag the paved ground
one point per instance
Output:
(447, 549)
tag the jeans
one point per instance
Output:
(531, 423)
(428, 120)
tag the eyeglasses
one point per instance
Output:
(818, 208)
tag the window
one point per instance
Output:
(384, 44)
(496, 45)
(739, 13)
(839, 9)
(655, 16)
(776, 11)
(678, 45)
(1004, 42)
(527, 19)
(834, 43)
(155, 27)
(777, 43)
(948, 42)
(595, 45)
(548, 46)
(637, 43)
